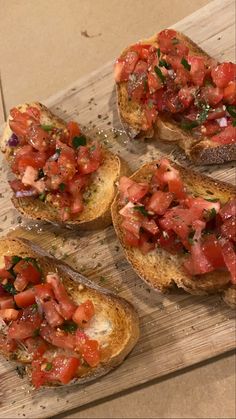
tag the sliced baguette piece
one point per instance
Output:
(134, 121)
(160, 269)
(99, 195)
(115, 325)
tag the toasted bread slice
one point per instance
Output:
(115, 324)
(99, 195)
(160, 269)
(133, 118)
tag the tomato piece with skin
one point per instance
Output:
(130, 238)
(51, 312)
(57, 337)
(137, 191)
(74, 130)
(125, 66)
(67, 306)
(159, 202)
(44, 292)
(165, 40)
(145, 244)
(20, 283)
(217, 113)
(62, 369)
(212, 251)
(132, 226)
(223, 74)
(25, 326)
(170, 242)
(25, 298)
(88, 348)
(151, 115)
(84, 313)
(226, 136)
(36, 346)
(228, 210)
(210, 128)
(6, 301)
(27, 270)
(186, 95)
(230, 93)
(198, 69)
(141, 67)
(86, 164)
(38, 138)
(9, 314)
(228, 229)
(211, 95)
(4, 274)
(197, 263)
(154, 82)
(183, 76)
(229, 256)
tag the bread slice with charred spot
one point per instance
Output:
(133, 118)
(115, 324)
(98, 195)
(160, 269)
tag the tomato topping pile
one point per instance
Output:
(162, 214)
(197, 92)
(39, 314)
(52, 164)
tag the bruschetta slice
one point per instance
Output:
(169, 89)
(62, 327)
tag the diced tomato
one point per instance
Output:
(28, 270)
(160, 100)
(151, 115)
(84, 313)
(216, 113)
(210, 128)
(132, 226)
(66, 162)
(130, 238)
(6, 301)
(60, 369)
(33, 112)
(74, 130)
(202, 207)
(229, 256)
(228, 229)
(145, 243)
(230, 93)
(170, 242)
(166, 174)
(228, 210)
(38, 137)
(9, 314)
(198, 69)
(20, 283)
(25, 298)
(226, 136)
(52, 313)
(141, 67)
(26, 325)
(28, 158)
(118, 67)
(128, 64)
(36, 346)
(165, 40)
(38, 375)
(67, 307)
(9, 262)
(4, 274)
(159, 202)
(44, 292)
(197, 263)
(137, 191)
(149, 225)
(186, 96)
(142, 50)
(154, 82)
(223, 74)
(183, 76)
(86, 164)
(212, 251)
(212, 95)
(57, 337)
(77, 183)
(88, 348)
(136, 87)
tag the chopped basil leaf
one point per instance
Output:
(158, 52)
(42, 196)
(163, 63)
(234, 123)
(33, 262)
(36, 332)
(141, 209)
(70, 327)
(190, 237)
(47, 127)
(188, 125)
(185, 63)
(40, 174)
(212, 199)
(211, 213)
(9, 287)
(48, 366)
(175, 41)
(202, 116)
(62, 186)
(93, 148)
(58, 151)
(78, 141)
(15, 259)
(34, 307)
(231, 109)
(159, 73)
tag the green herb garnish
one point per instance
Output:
(47, 127)
(141, 209)
(202, 116)
(78, 141)
(175, 41)
(212, 199)
(62, 187)
(231, 109)
(158, 52)
(36, 332)
(211, 213)
(70, 327)
(190, 237)
(159, 73)
(48, 366)
(42, 196)
(163, 63)
(188, 125)
(41, 174)
(9, 287)
(185, 63)
(15, 259)
(58, 151)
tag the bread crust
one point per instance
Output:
(101, 192)
(132, 117)
(123, 331)
(160, 269)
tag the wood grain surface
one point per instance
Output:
(177, 330)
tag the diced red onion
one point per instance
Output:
(222, 122)
(54, 157)
(26, 192)
(13, 140)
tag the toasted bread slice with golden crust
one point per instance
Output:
(98, 195)
(133, 118)
(160, 269)
(115, 324)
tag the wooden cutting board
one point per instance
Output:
(176, 330)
